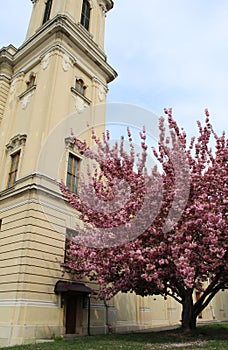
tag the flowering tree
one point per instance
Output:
(159, 232)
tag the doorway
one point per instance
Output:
(74, 297)
(71, 310)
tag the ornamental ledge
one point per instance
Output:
(16, 142)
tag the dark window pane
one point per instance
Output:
(47, 11)
(85, 17)
(73, 173)
(80, 86)
(13, 169)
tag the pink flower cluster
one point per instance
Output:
(159, 260)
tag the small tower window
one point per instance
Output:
(73, 172)
(13, 169)
(31, 82)
(85, 17)
(47, 11)
(80, 86)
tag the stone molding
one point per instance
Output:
(106, 4)
(28, 302)
(81, 102)
(61, 24)
(101, 93)
(70, 145)
(4, 77)
(46, 60)
(7, 54)
(25, 97)
(66, 62)
(103, 8)
(16, 142)
(101, 87)
(13, 85)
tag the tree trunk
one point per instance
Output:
(188, 320)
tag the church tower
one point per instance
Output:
(60, 70)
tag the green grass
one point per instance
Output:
(210, 337)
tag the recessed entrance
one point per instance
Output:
(74, 296)
(71, 310)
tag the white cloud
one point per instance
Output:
(171, 54)
(167, 53)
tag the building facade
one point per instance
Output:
(56, 80)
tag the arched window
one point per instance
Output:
(85, 17)
(31, 82)
(80, 86)
(47, 11)
(73, 172)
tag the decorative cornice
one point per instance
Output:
(31, 64)
(103, 8)
(18, 75)
(16, 142)
(35, 182)
(100, 82)
(5, 77)
(25, 97)
(62, 24)
(10, 50)
(7, 54)
(107, 4)
(70, 145)
(45, 57)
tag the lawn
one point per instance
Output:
(210, 337)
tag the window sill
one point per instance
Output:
(32, 88)
(75, 92)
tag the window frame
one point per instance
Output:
(31, 81)
(80, 86)
(85, 14)
(15, 145)
(73, 171)
(47, 11)
(14, 166)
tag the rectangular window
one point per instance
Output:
(73, 172)
(70, 233)
(13, 169)
(47, 11)
(85, 17)
(80, 86)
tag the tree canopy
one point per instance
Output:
(154, 231)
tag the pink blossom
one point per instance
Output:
(167, 262)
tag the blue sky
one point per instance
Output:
(167, 54)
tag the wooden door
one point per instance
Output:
(71, 309)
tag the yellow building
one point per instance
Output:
(56, 77)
